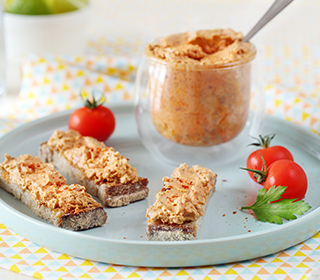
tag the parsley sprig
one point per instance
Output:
(274, 212)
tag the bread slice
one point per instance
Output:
(45, 191)
(104, 172)
(181, 204)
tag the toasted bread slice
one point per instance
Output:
(45, 191)
(103, 171)
(181, 204)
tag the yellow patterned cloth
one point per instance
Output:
(52, 84)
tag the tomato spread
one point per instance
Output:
(199, 84)
(99, 163)
(46, 185)
(183, 196)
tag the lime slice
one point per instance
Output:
(29, 7)
(64, 6)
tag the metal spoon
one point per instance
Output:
(276, 8)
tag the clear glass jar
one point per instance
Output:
(196, 114)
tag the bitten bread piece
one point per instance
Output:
(104, 172)
(181, 204)
(45, 191)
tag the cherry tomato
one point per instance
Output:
(287, 173)
(98, 122)
(270, 155)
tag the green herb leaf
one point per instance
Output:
(274, 212)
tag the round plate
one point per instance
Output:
(226, 234)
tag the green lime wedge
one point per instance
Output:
(27, 7)
(64, 6)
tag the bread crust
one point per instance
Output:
(71, 221)
(111, 195)
(171, 232)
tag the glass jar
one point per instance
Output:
(198, 113)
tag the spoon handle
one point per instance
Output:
(276, 8)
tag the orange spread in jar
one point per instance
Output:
(184, 195)
(199, 84)
(46, 185)
(99, 163)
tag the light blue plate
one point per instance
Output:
(226, 233)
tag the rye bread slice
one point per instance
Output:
(110, 194)
(83, 219)
(158, 231)
(160, 227)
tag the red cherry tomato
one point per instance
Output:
(270, 155)
(287, 173)
(98, 122)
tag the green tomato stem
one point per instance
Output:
(94, 103)
(263, 141)
(259, 175)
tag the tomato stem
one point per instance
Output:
(93, 103)
(263, 141)
(259, 175)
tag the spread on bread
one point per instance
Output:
(47, 193)
(180, 204)
(102, 170)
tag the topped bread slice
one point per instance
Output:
(46, 192)
(102, 170)
(181, 204)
